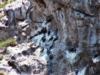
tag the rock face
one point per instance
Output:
(3, 30)
(77, 25)
(55, 37)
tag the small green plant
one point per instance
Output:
(7, 42)
(5, 2)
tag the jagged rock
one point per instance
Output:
(3, 30)
(2, 50)
(22, 6)
(54, 37)
(24, 64)
(18, 12)
(4, 34)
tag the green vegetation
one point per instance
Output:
(7, 42)
(3, 5)
(5, 2)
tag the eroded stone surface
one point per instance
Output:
(54, 37)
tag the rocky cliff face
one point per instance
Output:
(77, 25)
(55, 37)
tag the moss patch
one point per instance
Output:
(5, 2)
(7, 42)
(3, 5)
